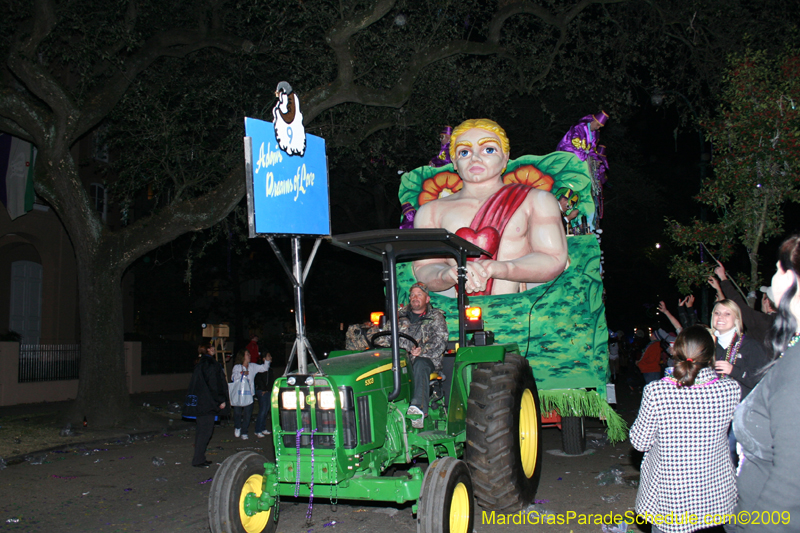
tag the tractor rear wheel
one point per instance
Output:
(446, 503)
(239, 475)
(504, 434)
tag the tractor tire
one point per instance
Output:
(573, 435)
(239, 475)
(504, 434)
(446, 502)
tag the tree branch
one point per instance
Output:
(23, 63)
(350, 137)
(20, 117)
(339, 92)
(171, 43)
(338, 38)
(44, 20)
(168, 223)
(344, 89)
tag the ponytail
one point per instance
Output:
(693, 351)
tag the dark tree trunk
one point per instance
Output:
(102, 256)
(102, 390)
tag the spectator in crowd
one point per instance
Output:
(613, 356)
(766, 423)
(263, 383)
(244, 368)
(738, 355)
(686, 315)
(650, 362)
(757, 323)
(639, 342)
(206, 398)
(681, 428)
(252, 347)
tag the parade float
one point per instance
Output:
(560, 326)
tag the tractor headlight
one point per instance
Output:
(290, 399)
(327, 400)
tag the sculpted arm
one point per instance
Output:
(437, 274)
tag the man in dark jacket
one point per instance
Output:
(756, 323)
(206, 397)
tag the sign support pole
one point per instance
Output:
(299, 307)
(297, 275)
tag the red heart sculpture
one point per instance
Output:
(486, 238)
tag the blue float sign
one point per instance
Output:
(287, 194)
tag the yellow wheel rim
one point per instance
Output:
(459, 509)
(257, 522)
(528, 433)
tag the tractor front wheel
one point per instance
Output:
(504, 434)
(446, 503)
(239, 475)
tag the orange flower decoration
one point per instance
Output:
(530, 175)
(438, 186)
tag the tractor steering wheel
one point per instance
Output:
(371, 341)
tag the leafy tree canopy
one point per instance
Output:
(756, 137)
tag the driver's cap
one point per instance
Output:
(419, 285)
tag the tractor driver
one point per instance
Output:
(428, 327)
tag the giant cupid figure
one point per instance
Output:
(518, 225)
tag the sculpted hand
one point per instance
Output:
(477, 276)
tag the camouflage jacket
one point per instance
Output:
(430, 332)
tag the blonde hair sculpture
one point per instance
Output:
(482, 124)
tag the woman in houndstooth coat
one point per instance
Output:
(682, 427)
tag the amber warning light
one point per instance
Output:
(473, 313)
(375, 317)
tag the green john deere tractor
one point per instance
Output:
(342, 431)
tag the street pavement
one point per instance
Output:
(144, 481)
